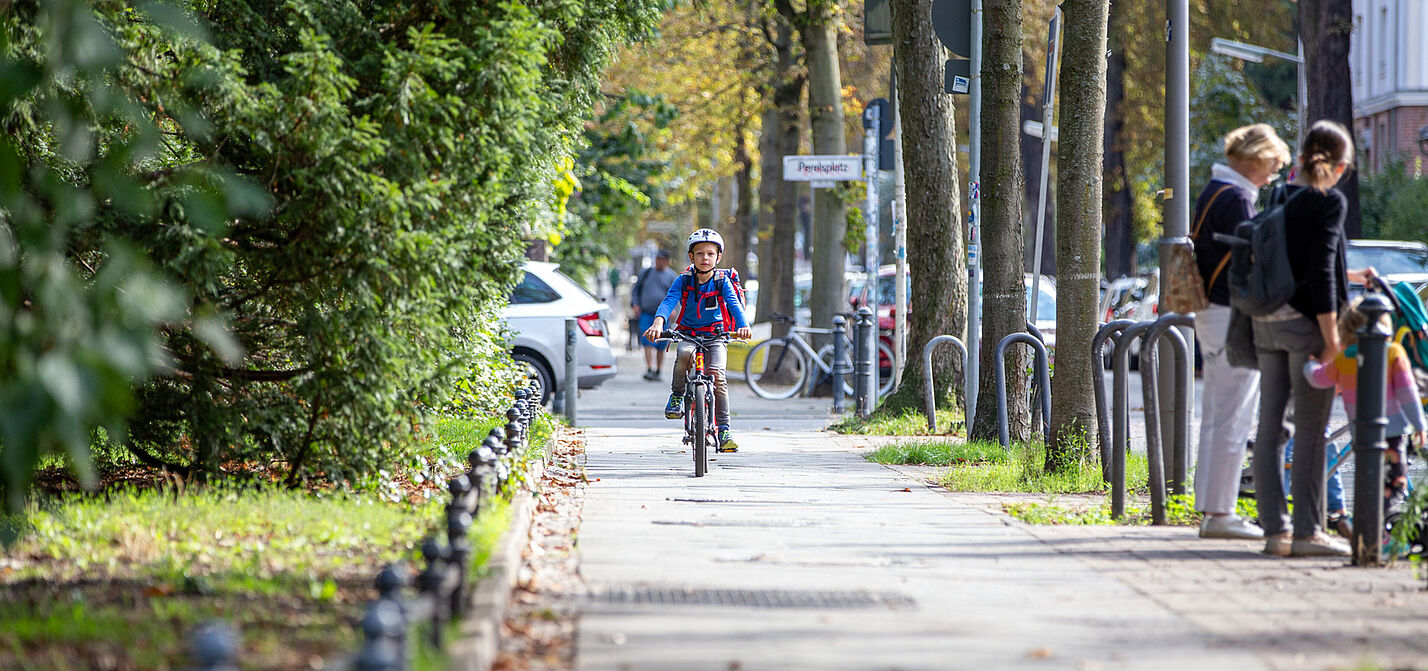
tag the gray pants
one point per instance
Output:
(1282, 347)
(715, 359)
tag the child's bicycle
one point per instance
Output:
(700, 429)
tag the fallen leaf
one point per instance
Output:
(905, 489)
(1039, 653)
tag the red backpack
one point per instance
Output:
(691, 284)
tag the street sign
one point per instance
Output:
(822, 168)
(952, 21)
(958, 75)
(821, 184)
(877, 22)
(886, 156)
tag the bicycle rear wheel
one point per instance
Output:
(701, 431)
(776, 369)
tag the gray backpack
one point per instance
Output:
(1260, 278)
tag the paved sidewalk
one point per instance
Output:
(818, 559)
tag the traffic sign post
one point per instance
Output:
(872, 133)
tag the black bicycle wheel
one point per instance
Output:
(701, 431)
(776, 369)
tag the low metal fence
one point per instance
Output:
(441, 587)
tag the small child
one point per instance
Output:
(706, 295)
(1344, 371)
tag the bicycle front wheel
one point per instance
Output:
(701, 431)
(776, 369)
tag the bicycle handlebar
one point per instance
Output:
(697, 338)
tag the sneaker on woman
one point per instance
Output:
(1229, 526)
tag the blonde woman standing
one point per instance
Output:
(1254, 155)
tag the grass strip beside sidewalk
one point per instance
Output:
(118, 579)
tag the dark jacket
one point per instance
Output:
(1317, 246)
(1226, 211)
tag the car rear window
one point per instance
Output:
(1388, 260)
(533, 290)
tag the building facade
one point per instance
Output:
(1388, 60)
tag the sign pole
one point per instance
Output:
(1048, 111)
(872, 130)
(974, 223)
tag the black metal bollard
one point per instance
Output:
(513, 421)
(515, 442)
(1370, 425)
(841, 367)
(385, 628)
(864, 354)
(214, 647)
(431, 582)
(483, 472)
(458, 525)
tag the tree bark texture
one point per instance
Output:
(1116, 207)
(779, 219)
(1326, 26)
(741, 228)
(1078, 240)
(771, 271)
(935, 249)
(1003, 193)
(825, 110)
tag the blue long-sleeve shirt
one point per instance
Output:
(695, 315)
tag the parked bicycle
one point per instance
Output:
(780, 368)
(700, 429)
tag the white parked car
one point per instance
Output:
(539, 306)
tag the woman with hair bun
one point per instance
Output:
(1254, 155)
(1304, 329)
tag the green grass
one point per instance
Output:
(123, 576)
(1179, 511)
(908, 423)
(986, 467)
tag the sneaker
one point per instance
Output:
(1229, 526)
(649, 375)
(675, 408)
(1342, 524)
(726, 441)
(1319, 545)
(1277, 545)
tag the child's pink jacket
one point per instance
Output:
(1344, 372)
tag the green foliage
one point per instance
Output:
(908, 422)
(341, 190)
(1223, 100)
(1179, 511)
(620, 178)
(1393, 201)
(986, 467)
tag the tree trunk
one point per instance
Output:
(825, 110)
(1326, 26)
(1119, 245)
(1003, 191)
(770, 174)
(1078, 240)
(935, 253)
(782, 122)
(736, 239)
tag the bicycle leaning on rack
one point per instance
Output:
(700, 429)
(780, 368)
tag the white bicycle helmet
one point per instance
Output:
(704, 235)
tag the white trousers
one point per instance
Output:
(1227, 410)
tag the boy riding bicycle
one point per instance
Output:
(708, 298)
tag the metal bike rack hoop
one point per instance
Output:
(1110, 330)
(1150, 390)
(1120, 415)
(929, 392)
(1043, 378)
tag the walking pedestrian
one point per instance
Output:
(1253, 156)
(1303, 330)
(649, 290)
